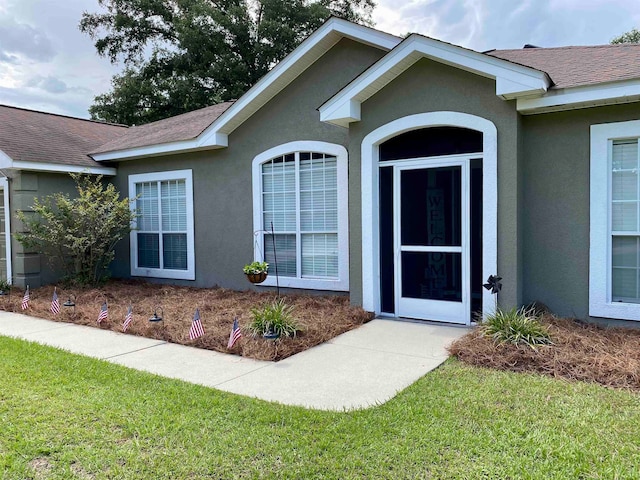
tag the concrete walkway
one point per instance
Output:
(358, 369)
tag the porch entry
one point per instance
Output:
(431, 236)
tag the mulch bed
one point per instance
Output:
(587, 352)
(321, 317)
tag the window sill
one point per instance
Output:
(306, 283)
(616, 310)
(158, 273)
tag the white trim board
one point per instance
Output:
(371, 201)
(286, 71)
(4, 185)
(190, 272)
(340, 152)
(6, 162)
(581, 97)
(600, 300)
(512, 80)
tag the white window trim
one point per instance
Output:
(190, 272)
(370, 172)
(600, 304)
(342, 283)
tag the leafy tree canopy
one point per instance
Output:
(632, 36)
(180, 55)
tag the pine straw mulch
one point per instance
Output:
(587, 352)
(321, 317)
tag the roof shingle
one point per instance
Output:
(32, 136)
(581, 65)
(174, 129)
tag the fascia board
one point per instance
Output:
(581, 97)
(156, 150)
(6, 162)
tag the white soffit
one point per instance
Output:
(581, 97)
(512, 80)
(7, 163)
(287, 70)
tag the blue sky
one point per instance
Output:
(47, 64)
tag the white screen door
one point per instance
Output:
(431, 240)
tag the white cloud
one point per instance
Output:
(21, 39)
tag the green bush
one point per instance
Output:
(78, 234)
(256, 268)
(274, 317)
(518, 326)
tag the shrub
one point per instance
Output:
(516, 326)
(79, 234)
(274, 317)
(255, 268)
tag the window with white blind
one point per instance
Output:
(162, 241)
(625, 214)
(614, 256)
(300, 190)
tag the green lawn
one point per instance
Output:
(66, 416)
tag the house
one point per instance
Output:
(37, 152)
(404, 172)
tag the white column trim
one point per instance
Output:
(4, 184)
(371, 202)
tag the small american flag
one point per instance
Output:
(196, 330)
(55, 303)
(235, 334)
(104, 314)
(25, 299)
(127, 319)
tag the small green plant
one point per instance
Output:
(275, 317)
(5, 286)
(518, 326)
(255, 268)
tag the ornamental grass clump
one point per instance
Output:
(518, 326)
(275, 317)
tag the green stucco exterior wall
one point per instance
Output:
(555, 217)
(223, 199)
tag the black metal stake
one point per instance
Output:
(275, 260)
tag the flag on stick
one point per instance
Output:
(104, 314)
(127, 319)
(196, 330)
(55, 303)
(235, 334)
(25, 299)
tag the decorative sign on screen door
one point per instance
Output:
(435, 272)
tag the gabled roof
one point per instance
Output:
(174, 129)
(512, 80)
(540, 79)
(287, 70)
(579, 66)
(32, 140)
